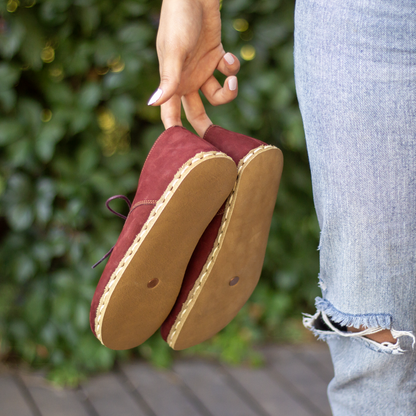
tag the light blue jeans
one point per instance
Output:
(355, 69)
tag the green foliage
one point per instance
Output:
(75, 77)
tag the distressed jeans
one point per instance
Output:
(355, 70)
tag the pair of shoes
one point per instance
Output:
(187, 261)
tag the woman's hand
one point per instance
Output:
(189, 50)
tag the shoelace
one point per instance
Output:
(107, 204)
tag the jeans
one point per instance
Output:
(355, 71)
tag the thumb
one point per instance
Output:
(170, 77)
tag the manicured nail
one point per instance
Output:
(229, 58)
(158, 93)
(232, 83)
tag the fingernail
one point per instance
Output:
(157, 94)
(232, 83)
(229, 58)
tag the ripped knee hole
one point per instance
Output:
(382, 339)
(383, 335)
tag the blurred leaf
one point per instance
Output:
(19, 211)
(10, 130)
(11, 40)
(136, 33)
(47, 138)
(53, 11)
(9, 74)
(87, 157)
(66, 375)
(90, 19)
(19, 152)
(90, 95)
(8, 100)
(123, 107)
(25, 267)
(238, 6)
(34, 41)
(134, 8)
(29, 113)
(59, 93)
(79, 120)
(105, 50)
(46, 192)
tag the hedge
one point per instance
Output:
(75, 77)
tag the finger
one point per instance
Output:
(229, 64)
(170, 69)
(171, 112)
(195, 112)
(218, 95)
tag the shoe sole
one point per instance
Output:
(143, 288)
(233, 268)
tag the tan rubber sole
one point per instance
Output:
(144, 287)
(233, 268)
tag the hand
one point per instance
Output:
(189, 50)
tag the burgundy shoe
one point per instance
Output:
(226, 264)
(183, 183)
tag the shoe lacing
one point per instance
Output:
(107, 204)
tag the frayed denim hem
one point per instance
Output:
(381, 320)
(330, 322)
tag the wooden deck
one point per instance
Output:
(292, 383)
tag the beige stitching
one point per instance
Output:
(141, 203)
(115, 277)
(214, 252)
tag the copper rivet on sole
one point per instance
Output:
(234, 281)
(153, 283)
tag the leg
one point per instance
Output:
(356, 82)
(384, 335)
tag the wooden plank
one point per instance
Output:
(318, 358)
(293, 383)
(52, 401)
(276, 399)
(301, 377)
(161, 389)
(213, 389)
(108, 397)
(12, 401)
